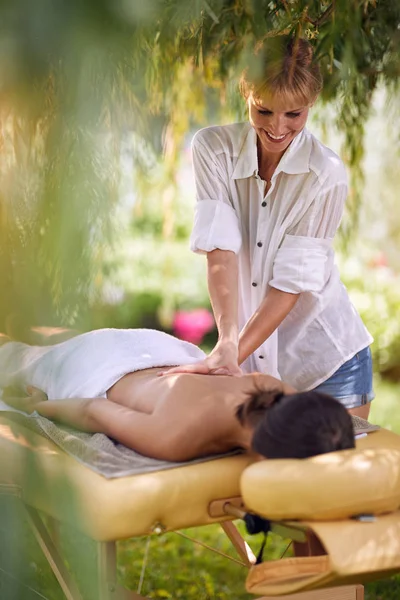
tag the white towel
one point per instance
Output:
(87, 365)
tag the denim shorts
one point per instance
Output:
(351, 384)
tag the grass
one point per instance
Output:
(385, 407)
(176, 569)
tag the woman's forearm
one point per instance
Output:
(272, 311)
(136, 430)
(94, 415)
(222, 271)
(74, 412)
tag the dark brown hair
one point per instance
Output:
(296, 425)
(283, 67)
(253, 410)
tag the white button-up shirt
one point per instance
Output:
(283, 240)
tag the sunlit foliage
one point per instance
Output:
(77, 75)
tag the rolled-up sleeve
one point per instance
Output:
(216, 224)
(304, 260)
(302, 264)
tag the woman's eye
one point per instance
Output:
(291, 115)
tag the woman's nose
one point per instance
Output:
(277, 124)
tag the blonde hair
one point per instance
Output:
(283, 67)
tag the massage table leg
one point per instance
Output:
(46, 544)
(108, 588)
(53, 527)
(241, 546)
(107, 585)
(311, 547)
(52, 555)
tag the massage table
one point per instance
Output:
(347, 501)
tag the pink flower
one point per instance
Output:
(379, 260)
(192, 325)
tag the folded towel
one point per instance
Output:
(87, 365)
(361, 426)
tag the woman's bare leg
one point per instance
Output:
(361, 411)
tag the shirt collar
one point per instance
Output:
(295, 161)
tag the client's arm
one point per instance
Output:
(73, 411)
(145, 433)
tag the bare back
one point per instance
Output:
(202, 407)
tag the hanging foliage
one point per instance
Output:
(75, 75)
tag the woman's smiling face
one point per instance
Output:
(276, 122)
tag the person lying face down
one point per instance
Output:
(176, 417)
(184, 416)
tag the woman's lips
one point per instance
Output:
(276, 139)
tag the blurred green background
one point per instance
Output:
(99, 100)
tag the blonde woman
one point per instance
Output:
(270, 198)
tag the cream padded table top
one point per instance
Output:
(113, 509)
(131, 506)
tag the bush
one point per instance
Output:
(375, 291)
(134, 310)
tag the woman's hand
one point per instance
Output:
(223, 360)
(15, 397)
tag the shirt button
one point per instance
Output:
(261, 356)
(259, 244)
(263, 203)
(254, 284)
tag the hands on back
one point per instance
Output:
(223, 360)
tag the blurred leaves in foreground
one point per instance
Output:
(77, 75)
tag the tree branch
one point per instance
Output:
(322, 18)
